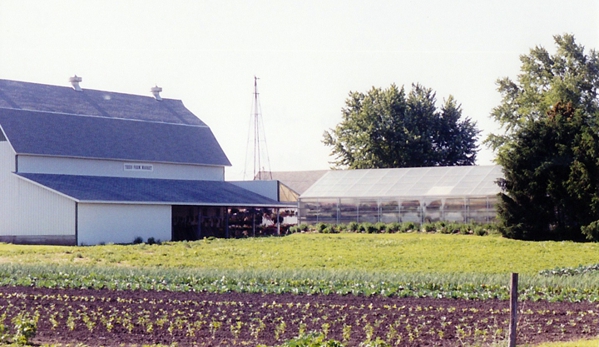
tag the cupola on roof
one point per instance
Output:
(47, 120)
(89, 102)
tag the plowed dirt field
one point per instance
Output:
(111, 318)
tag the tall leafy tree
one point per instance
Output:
(385, 128)
(569, 75)
(549, 146)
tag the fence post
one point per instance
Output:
(513, 309)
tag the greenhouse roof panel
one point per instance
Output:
(408, 182)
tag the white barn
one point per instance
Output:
(83, 167)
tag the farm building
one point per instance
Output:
(85, 167)
(456, 193)
(297, 181)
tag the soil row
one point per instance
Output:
(110, 318)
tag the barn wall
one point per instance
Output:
(268, 189)
(122, 223)
(116, 168)
(30, 213)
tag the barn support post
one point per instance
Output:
(278, 222)
(254, 222)
(227, 222)
(200, 219)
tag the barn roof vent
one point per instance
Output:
(156, 92)
(75, 82)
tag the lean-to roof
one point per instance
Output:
(95, 189)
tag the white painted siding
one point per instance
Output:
(28, 210)
(115, 168)
(121, 223)
(7, 164)
(270, 189)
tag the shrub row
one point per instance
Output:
(405, 227)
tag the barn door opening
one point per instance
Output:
(192, 223)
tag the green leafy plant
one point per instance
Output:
(367, 227)
(408, 226)
(25, 328)
(479, 230)
(312, 339)
(393, 227)
(378, 342)
(353, 226)
(429, 227)
(304, 227)
(381, 227)
(153, 241)
(5, 336)
(320, 227)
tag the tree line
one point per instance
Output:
(548, 144)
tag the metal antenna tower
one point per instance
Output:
(260, 148)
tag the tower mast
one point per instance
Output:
(259, 141)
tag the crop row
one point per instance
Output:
(572, 289)
(571, 271)
(152, 317)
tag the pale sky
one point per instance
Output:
(308, 55)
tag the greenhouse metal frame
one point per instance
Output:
(429, 194)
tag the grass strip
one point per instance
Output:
(397, 253)
(577, 343)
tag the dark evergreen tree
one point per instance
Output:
(551, 178)
(386, 129)
(549, 150)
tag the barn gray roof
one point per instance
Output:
(56, 99)
(42, 133)
(59, 121)
(155, 191)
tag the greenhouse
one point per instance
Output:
(425, 194)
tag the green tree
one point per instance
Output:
(549, 146)
(386, 129)
(569, 75)
(551, 178)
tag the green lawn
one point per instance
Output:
(397, 253)
(579, 343)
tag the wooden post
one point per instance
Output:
(513, 309)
